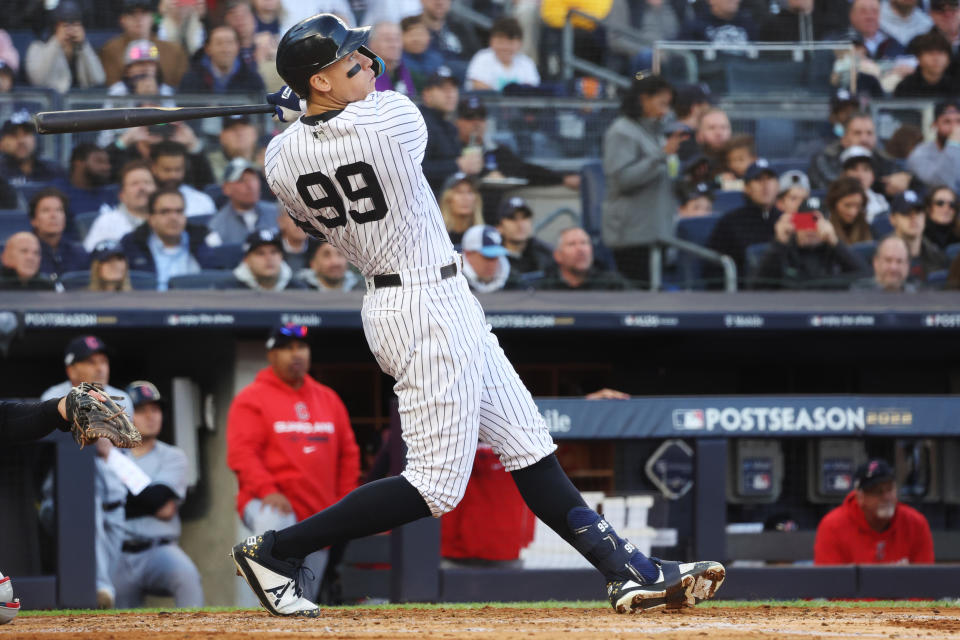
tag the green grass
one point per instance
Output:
(551, 604)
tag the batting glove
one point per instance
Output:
(286, 104)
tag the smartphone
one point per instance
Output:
(806, 221)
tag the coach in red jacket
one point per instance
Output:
(870, 527)
(290, 443)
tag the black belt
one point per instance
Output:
(136, 547)
(393, 279)
(111, 506)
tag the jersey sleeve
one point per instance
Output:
(396, 117)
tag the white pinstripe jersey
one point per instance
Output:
(356, 181)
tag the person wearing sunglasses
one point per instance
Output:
(290, 442)
(941, 208)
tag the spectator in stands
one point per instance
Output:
(238, 140)
(48, 218)
(7, 77)
(285, 475)
(152, 560)
(136, 21)
(328, 269)
(859, 130)
(946, 21)
(713, 133)
(265, 59)
(181, 23)
(865, 27)
(418, 57)
(794, 191)
(502, 63)
(908, 217)
(9, 55)
(526, 253)
(573, 268)
(166, 245)
(930, 79)
(66, 60)
(297, 11)
(858, 163)
(394, 11)
(807, 257)
(690, 103)
(804, 21)
(87, 185)
(903, 141)
(941, 227)
(847, 208)
(168, 163)
(136, 185)
(141, 71)
(938, 161)
(725, 22)
(694, 200)
(891, 268)
(19, 162)
(20, 264)
(297, 245)
(243, 212)
(444, 154)
(262, 267)
(653, 20)
(238, 15)
(221, 69)
(639, 204)
(752, 223)
(109, 270)
(904, 20)
(871, 526)
(454, 39)
(738, 155)
(269, 15)
(589, 36)
(485, 264)
(387, 40)
(140, 143)
(461, 206)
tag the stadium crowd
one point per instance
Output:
(179, 206)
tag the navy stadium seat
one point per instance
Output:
(754, 255)
(881, 226)
(592, 184)
(952, 251)
(865, 250)
(203, 219)
(83, 221)
(75, 280)
(13, 221)
(206, 279)
(143, 280)
(783, 165)
(696, 230)
(937, 279)
(226, 256)
(215, 191)
(724, 201)
(775, 137)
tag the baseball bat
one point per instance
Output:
(97, 119)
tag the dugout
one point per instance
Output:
(865, 353)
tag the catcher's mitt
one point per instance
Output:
(93, 414)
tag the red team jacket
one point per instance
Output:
(298, 442)
(844, 537)
(492, 521)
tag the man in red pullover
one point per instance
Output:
(870, 527)
(290, 443)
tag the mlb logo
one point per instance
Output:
(688, 419)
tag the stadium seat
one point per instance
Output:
(206, 279)
(724, 201)
(952, 251)
(754, 255)
(11, 222)
(696, 230)
(226, 256)
(789, 164)
(937, 279)
(865, 250)
(592, 183)
(215, 191)
(203, 219)
(75, 280)
(143, 280)
(775, 137)
(83, 221)
(758, 77)
(881, 226)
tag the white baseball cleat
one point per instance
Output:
(679, 585)
(277, 584)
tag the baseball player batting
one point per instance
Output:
(348, 172)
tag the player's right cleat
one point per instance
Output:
(276, 583)
(679, 585)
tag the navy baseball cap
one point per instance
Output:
(259, 238)
(759, 168)
(283, 334)
(230, 121)
(942, 107)
(842, 98)
(18, 120)
(943, 5)
(485, 239)
(82, 347)
(906, 202)
(66, 11)
(440, 76)
(688, 192)
(142, 392)
(471, 108)
(871, 473)
(511, 206)
(106, 250)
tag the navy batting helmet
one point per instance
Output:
(315, 43)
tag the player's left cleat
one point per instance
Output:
(680, 584)
(277, 584)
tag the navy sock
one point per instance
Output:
(582, 518)
(549, 493)
(372, 508)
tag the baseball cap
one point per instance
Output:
(471, 108)
(18, 120)
(283, 334)
(906, 202)
(235, 169)
(142, 392)
(687, 95)
(695, 162)
(141, 51)
(82, 347)
(4, 67)
(872, 472)
(794, 178)
(66, 11)
(456, 179)
(942, 107)
(129, 6)
(691, 191)
(259, 238)
(232, 121)
(855, 154)
(510, 206)
(942, 5)
(759, 168)
(106, 250)
(485, 239)
(842, 98)
(438, 77)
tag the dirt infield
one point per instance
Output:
(494, 623)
